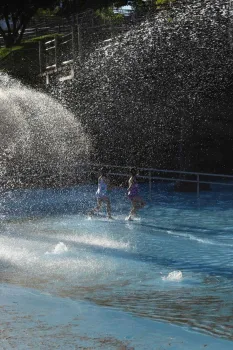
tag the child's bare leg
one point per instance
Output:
(141, 205)
(136, 204)
(97, 208)
(109, 211)
(133, 210)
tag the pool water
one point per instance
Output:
(173, 263)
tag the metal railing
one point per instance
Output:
(152, 174)
(86, 31)
(86, 172)
(56, 55)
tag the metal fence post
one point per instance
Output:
(79, 51)
(41, 57)
(47, 79)
(56, 51)
(60, 176)
(150, 186)
(73, 42)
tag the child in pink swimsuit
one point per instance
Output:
(133, 194)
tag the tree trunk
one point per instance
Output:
(8, 40)
(13, 36)
(19, 36)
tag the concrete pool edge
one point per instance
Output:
(30, 319)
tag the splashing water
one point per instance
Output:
(156, 84)
(117, 264)
(37, 133)
(60, 248)
(173, 276)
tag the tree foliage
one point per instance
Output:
(78, 6)
(15, 17)
(108, 15)
(147, 5)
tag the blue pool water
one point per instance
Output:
(173, 263)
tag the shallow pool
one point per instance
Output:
(173, 263)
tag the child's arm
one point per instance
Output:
(110, 184)
(130, 184)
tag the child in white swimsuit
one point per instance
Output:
(102, 193)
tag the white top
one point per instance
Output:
(102, 190)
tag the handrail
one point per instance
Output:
(162, 170)
(110, 166)
(180, 172)
(65, 35)
(49, 42)
(83, 168)
(174, 179)
(65, 42)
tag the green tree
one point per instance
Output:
(77, 6)
(108, 15)
(147, 5)
(15, 16)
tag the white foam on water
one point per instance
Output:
(40, 258)
(60, 248)
(95, 240)
(198, 239)
(16, 255)
(173, 276)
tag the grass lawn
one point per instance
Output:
(23, 61)
(4, 52)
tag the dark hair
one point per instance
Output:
(133, 171)
(104, 171)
